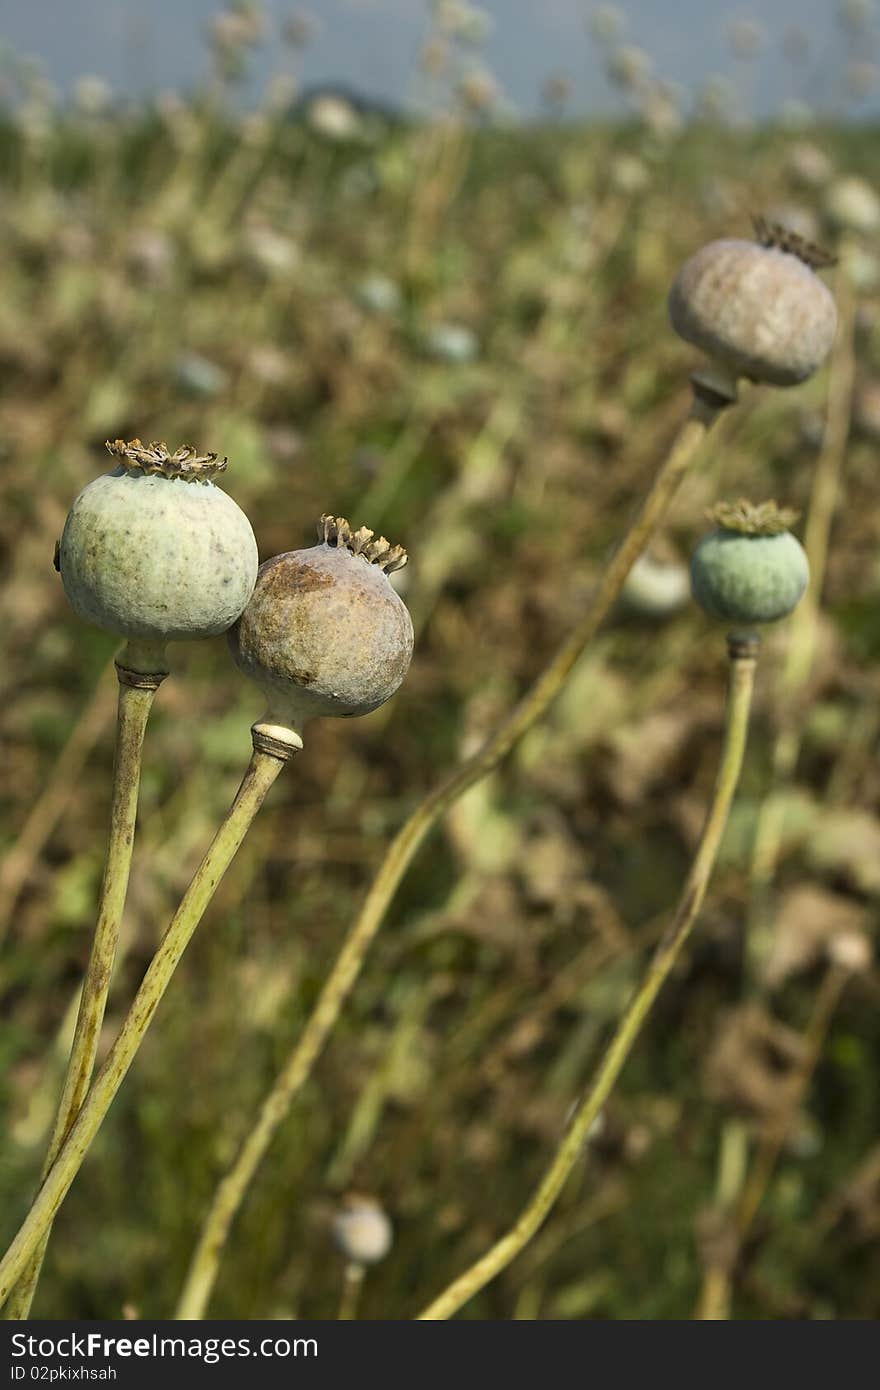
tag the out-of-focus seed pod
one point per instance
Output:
(656, 588)
(855, 15)
(629, 174)
(808, 165)
(861, 268)
(852, 205)
(333, 117)
(746, 38)
(379, 295)
(324, 632)
(628, 66)
(199, 376)
(851, 951)
(478, 90)
(92, 96)
(362, 1230)
(607, 23)
(154, 550)
(750, 569)
(757, 310)
(299, 29)
(451, 342)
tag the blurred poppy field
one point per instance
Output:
(454, 331)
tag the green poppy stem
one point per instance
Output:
(235, 1182)
(352, 1284)
(137, 691)
(262, 770)
(743, 659)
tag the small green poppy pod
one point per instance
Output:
(757, 309)
(751, 569)
(324, 632)
(154, 550)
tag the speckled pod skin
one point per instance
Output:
(324, 632)
(749, 579)
(148, 556)
(760, 311)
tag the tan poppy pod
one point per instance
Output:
(324, 632)
(757, 310)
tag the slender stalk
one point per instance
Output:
(716, 1295)
(743, 658)
(136, 694)
(767, 1157)
(719, 1249)
(739, 1207)
(262, 770)
(352, 1283)
(234, 1184)
(714, 1303)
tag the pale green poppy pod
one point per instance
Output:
(751, 569)
(154, 550)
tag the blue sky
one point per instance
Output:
(372, 44)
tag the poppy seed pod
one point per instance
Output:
(751, 569)
(851, 205)
(324, 632)
(757, 309)
(655, 587)
(362, 1230)
(154, 551)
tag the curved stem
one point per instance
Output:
(261, 773)
(743, 661)
(234, 1184)
(135, 703)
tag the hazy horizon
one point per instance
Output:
(373, 46)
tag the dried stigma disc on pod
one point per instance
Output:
(750, 569)
(757, 308)
(324, 632)
(154, 550)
